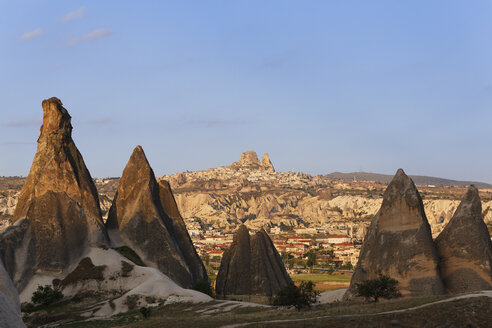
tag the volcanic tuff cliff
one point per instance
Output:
(57, 215)
(138, 219)
(465, 248)
(10, 314)
(250, 267)
(399, 243)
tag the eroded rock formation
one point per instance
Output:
(138, 219)
(249, 162)
(57, 216)
(251, 268)
(267, 164)
(10, 311)
(180, 233)
(399, 243)
(465, 248)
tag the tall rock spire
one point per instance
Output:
(399, 243)
(59, 202)
(137, 218)
(465, 248)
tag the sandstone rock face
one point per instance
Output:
(180, 233)
(59, 204)
(399, 243)
(251, 267)
(137, 218)
(267, 164)
(465, 248)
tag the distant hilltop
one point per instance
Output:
(249, 160)
(418, 179)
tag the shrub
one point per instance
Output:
(130, 254)
(131, 302)
(146, 311)
(381, 287)
(46, 295)
(126, 268)
(203, 287)
(300, 297)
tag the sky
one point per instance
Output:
(322, 86)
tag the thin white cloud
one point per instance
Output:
(26, 122)
(32, 34)
(79, 13)
(98, 34)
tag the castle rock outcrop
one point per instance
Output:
(399, 243)
(267, 164)
(57, 216)
(137, 219)
(251, 268)
(465, 248)
(249, 161)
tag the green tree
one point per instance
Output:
(146, 312)
(203, 286)
(381, 287)
(46, 295)
(347, 266)
(311, 258)
(299, 297)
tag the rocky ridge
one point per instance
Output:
(229, 196)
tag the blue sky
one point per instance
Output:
(321, 86)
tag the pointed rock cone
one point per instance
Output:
(59, 203)
(465, 248)
(267, 164)
(137, 219)
(399, 243)
(180, 233)
(251, 269)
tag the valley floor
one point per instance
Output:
(472, 310)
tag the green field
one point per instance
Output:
(319, 277)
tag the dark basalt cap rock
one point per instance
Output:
(399, 243)
(137, 217)
(465, 248)
(60, 202)
(251, 266)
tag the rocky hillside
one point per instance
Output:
(250, 191)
